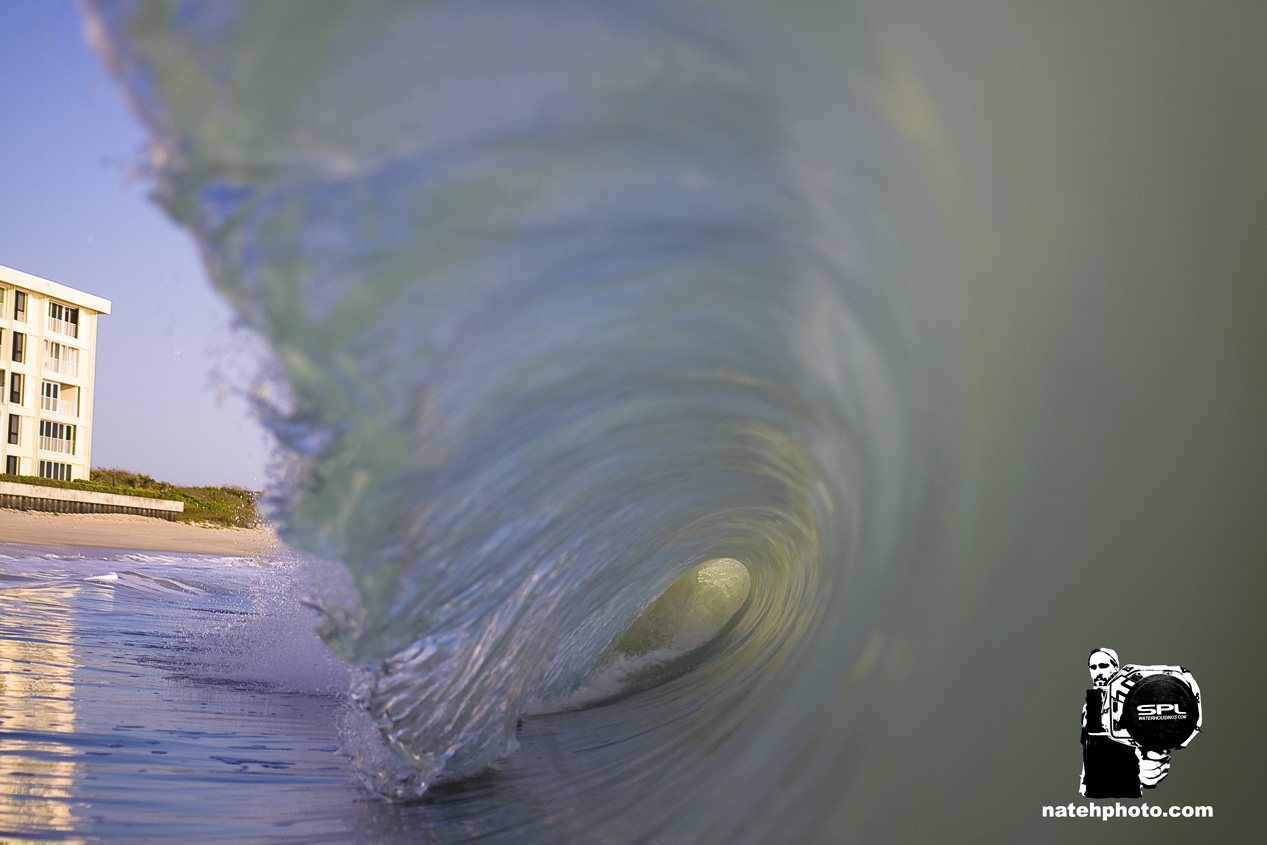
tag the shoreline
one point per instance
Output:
(126, 531)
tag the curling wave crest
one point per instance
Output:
(570, 302)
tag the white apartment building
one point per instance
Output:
(48, 341)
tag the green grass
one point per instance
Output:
(228, 506)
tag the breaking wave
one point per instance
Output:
(617, 372)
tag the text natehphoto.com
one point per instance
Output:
(1120, 811)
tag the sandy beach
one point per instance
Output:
(123, 531)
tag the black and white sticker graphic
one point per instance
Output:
(1134, 718)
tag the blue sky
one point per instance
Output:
(170, 369)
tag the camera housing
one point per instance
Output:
(1154, 708)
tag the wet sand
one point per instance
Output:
(123, 531)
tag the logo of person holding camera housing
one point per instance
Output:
(1134, 718)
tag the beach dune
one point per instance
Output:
(125, 531)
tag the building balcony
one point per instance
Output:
(61, 367)
(69, 407)
(63, 327)
(56, 444)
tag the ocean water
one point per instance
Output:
(156, 696)
(724, 423)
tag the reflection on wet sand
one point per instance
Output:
(152, 697)
(37, 709)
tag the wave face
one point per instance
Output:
(571, 302)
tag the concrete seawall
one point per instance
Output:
(61, 500)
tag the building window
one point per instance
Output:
(15, 388)
(11, 465)
(19, 306)
(57, 437)
(19, 347)
(53, 469)
(15, 428)
(63, 319)
(53, 397)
